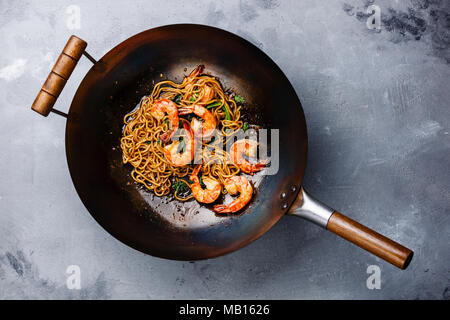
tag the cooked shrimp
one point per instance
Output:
(212, 191)
(234, 185)
(207, 92)
(194, 73)
(205, 129)
(246, 147)
(159, 109)
(206, 95)
(181, 159)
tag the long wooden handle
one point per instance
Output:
(59, 75)
(370, 240)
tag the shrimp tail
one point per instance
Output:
(197, 71)
(165, 137)
(194, 174)
(188, 129)
(184, 110)
(221, 208)
(190, 133)
(260, 165)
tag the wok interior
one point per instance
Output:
(116, 84)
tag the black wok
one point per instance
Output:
(114, 86)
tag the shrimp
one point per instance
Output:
(181, 159)
(194, 73)
(207, 93)
(161, 107)
(234, 185)
(246, 147)
(212, 191)
(205, 129)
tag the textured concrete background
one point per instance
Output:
(377, 106)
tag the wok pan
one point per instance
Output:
(114, 86)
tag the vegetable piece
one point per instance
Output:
(177, 98)
(227, 113)
(239, 99)
(245, 126)
(181, 186)
(214, 104)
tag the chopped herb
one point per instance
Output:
(192, 98)
(148, 142)
(239, 99)
(177, 98)
(181, 186)
(213, 105)
(190, 181)
(177, 186)
(159, 140)
(245, 127)
(167, 122)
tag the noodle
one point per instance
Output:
(142, 147)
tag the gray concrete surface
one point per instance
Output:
(377, 106)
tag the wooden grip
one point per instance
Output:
(370, 240)
(59, 75)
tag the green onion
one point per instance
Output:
(214, 104)
(148, 142)
(245, 127)
(227, 113)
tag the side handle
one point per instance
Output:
(313, 210)
(59, 75)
